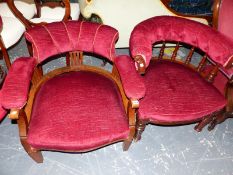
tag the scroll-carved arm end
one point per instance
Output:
(141, 64)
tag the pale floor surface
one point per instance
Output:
(162, 151)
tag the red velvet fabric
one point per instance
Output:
(133, 83)
(16, 86)
(168, 28)
(49, 39)
(2, 110)
(177, 94)
(225, 20)
(77, 111)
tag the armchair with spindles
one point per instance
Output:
(188, 90)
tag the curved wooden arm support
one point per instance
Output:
(132, 107)
(28, 24)
(14, 114)
(141, 65)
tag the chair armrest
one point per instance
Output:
(16, 86)
(2, 110)
(133, 83)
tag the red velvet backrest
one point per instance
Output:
(225, 18)
(166, 28)
(61, 37)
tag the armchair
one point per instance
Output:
(177, 90)
(76, 108)
(124, 15)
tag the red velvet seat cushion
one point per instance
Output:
(77, 111)
(177, 94)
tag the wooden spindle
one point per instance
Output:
(202, 63)
(212, 74)
(189, 57)
(161, 53)
(174, 54)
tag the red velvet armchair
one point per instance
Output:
(76, 108)
(177, 91)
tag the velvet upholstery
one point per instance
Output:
(69, 113)
(2, 110)
(225, 20)
(133, 83)
(17, 83)
(177, 94)
(78, 35)
(216, 45)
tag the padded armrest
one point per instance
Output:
(133, 83)
(2, 110)
(16, 86)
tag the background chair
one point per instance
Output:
(62, 110)
(195, 7)
(182, 91)
(124, 15)
(46, 12)
(12, 28)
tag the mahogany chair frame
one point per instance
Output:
(4, 53)
(23, 116)
(212, 119)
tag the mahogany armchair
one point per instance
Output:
(76, 108)
(177, 90)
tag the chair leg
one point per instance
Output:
(219, 119)
(140, 127)
(32, 152)
(126, 144)
(208, 119)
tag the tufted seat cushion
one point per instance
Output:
(177, 94)
(77, 111)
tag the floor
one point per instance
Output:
(162, 151)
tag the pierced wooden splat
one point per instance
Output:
(76, 58)
(189, 57)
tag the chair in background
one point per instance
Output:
(47, 11)
(12, 29)
(190, 90)
(194, 7)
(76, 108)
(124, 15)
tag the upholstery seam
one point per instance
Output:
(33, 47)
(95, 36)
(110, 54)
(68, 34)
(79, 32)
(54, 42)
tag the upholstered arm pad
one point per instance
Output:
(167, 28)
(16, 86)
(132, 81)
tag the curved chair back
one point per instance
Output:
(164, 28)
(78, 36)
